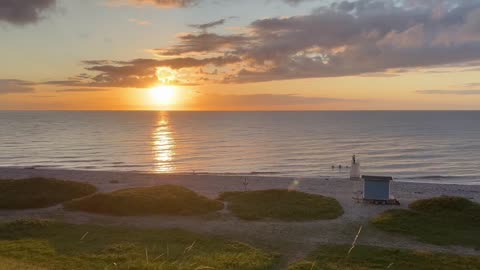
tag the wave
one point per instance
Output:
(81, 161)
(265, 173)
(435, 177)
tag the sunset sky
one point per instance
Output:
(239, 55)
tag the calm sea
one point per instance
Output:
(412, 146)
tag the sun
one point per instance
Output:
(163, 95)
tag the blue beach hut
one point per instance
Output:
(377, 188)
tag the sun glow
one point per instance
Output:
(163, 95)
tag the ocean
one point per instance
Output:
(426, 146)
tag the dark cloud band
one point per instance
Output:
(21, 12)
(347, 38)
(16, 87)
(191, 3)
(449, 92)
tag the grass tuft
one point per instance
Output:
(57, 246)
(11, 264)
(40, 192)
(282, 205)
(158, 200)
(443, 204)
(371, 258)
(441, 221)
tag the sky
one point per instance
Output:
(240, 55)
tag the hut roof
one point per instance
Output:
(377, 178)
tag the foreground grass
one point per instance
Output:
(366, 258)
(158, 200)
(440, 221)
(40, 192)
(281, 205)
(36, 244)
(13, 264)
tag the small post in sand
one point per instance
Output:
(245, 184)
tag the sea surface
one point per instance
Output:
(438, 146)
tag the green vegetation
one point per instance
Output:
(36, 244)
(158, 200)
(40, 192)
(371, 258)
(440, 221)
(281, 205)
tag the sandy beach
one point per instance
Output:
(294, 239)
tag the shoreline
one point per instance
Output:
(434, 180)
(288, 236)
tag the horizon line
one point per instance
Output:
(372, 110)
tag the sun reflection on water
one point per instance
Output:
(163, 145)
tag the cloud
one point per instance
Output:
(450, 92)
(158, 3)
(261, 100)
(469, 85)
(356, 38)
(206, 26)
(203, 42)
(9, 86)
(137, 73)
(296, 2)
(186, 3)
(81, 90)
(347, 38)
(140, 22)
(21, 12)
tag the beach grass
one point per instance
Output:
(370, 258)
(167, 200)
(40, 244)
(281, 205)
(40, 192)
(15, 264)
(441, 221)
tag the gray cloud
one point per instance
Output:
(169, 3)
(191, 3)
(8, 86)
(347, 38)
(365, 36)
(204, 42)
(296, 2)
(81, 90)
(450, 92)
(21, 12)
(206, 26)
